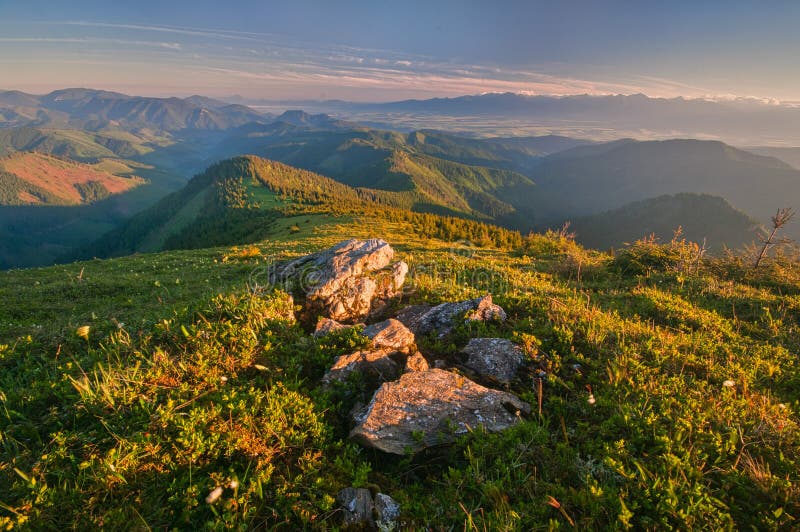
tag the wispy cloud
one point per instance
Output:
(265, 65)
(89, 40)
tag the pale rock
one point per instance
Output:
(428, 408)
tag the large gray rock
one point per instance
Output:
(427, 408)
(495, 359)
(441, 319)
(347, 282)
(376, 365)
(390, 333)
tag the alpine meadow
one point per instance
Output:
(369, 266)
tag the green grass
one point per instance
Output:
(190, 381)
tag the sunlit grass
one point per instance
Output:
(190, 402)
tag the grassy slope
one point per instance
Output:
(136, 425)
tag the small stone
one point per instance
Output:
(388, 510)
(357, 506)
(441, 319)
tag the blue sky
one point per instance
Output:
(380, 50)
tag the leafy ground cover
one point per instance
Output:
(170, 390)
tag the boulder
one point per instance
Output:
(495, 359)
(347, 282)
(417, 362)
(391, 334)
(441, 319)
(377, 365)
(427, 408)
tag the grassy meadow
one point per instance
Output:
(131, 388)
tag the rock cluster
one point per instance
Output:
(414, 406)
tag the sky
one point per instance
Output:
(380, 50)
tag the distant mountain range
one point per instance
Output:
(94, 110)
(610, 190)
(741, 122)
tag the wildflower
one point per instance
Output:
(214, 495)
(234, 484)
(224, 379)
(592, 400)
(729, 384)
(83, 332)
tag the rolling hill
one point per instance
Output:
(590, 180)
(248, 198)
(790, 156)
(512, 183)
(702, 218)
(73, 143)
(51, 205)
(30, 178)
(400, 163)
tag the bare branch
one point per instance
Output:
(781, 218)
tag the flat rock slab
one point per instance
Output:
(442, 318)
(391, 334)
(495, 359)
(428, 408)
